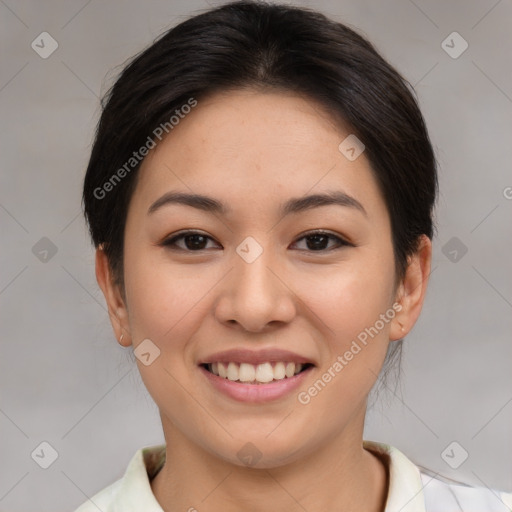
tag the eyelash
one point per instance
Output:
(170, 243)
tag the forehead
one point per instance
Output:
(247, 146)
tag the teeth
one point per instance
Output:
(279, 371)
(247, 372)
(261, 373)
(264, 373)
(223, 372)
(290, 370)
(232, 371)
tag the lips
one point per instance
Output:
(256, 357)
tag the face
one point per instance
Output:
(294, 296)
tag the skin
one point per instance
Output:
(253, 151)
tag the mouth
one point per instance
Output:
(256, 374)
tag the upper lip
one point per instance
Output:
(255, 356)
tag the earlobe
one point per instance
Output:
(116, 307)
(411, 292)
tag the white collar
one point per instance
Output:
(405, 491)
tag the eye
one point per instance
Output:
(191, 241)
(322, 241)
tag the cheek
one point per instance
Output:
(350, 302)
(350, 297)
(157, 295)
(355, 346)
(168, 302)
(167, 306)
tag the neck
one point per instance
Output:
(341, 476)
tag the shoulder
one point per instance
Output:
(440, 491)
(414, 488)
(103, 500)
(133, 491)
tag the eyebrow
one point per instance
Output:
(294, 205)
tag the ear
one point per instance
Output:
(117, 310)
(411, 291)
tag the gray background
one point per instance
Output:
(63, 377)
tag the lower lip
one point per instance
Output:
(256, 392)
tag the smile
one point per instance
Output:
(262, 373)
(257, 391)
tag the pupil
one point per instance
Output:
(195, 241)
(317, 242)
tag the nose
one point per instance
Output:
(255, 296)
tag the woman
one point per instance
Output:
(260, 194)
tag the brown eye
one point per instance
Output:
(321, 241)
(189, 241)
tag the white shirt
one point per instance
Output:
(411, 489)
